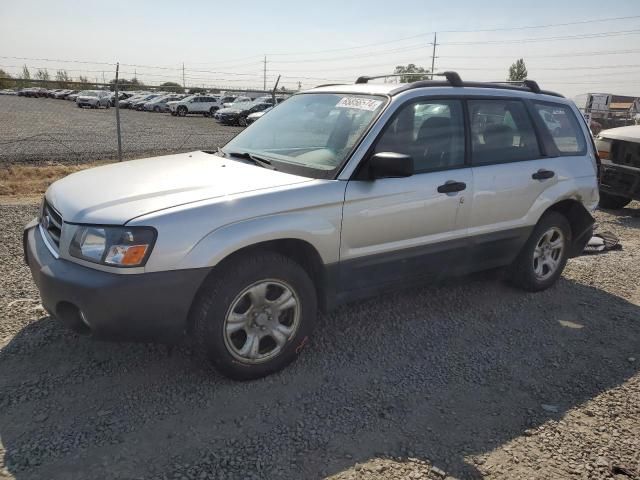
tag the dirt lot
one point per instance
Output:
(472, 378)
(45, 130)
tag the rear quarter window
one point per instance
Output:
(563, 128)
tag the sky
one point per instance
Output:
(224, 44)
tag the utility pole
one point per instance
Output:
(433, 54)
(264, 86)
(184, 85)
(117, 105)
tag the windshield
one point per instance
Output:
(314, 131)
(89, 93)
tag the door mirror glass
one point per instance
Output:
(390, 165)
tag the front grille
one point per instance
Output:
(625, 153)
(51, 222)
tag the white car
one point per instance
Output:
(205, 105)
(93, 99)
(341, 192)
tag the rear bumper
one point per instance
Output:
(620, 180)
(140, 307)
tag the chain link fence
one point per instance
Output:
(41, 125)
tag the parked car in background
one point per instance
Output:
(160, 104)
(238, 115)
(236, 101)
(121, 96)
(619, 151)
(139, 104)
(8, 91)
(62, 94)
(52, 93)
(252, 117)
(126, 103)
(199, 104)
(93, 99)
(72, 96)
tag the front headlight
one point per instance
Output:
(113, 246)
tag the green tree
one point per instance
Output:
(5, 81)
(124, 84)
(62, 77)
(25, 76)
(517, 71)
(43, 74)
(411, 73)
(172, 86)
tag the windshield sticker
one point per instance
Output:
(359, 103)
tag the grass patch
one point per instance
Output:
(27, 180)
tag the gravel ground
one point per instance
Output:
(467, 379)
(39, 130)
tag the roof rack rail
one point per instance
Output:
(365, 78)
(454, 80)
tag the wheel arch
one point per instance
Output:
(579, 219)
(300, 251)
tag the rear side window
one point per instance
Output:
(501, 132)
(561, 123)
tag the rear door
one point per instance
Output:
(397, 229)
(512, 169)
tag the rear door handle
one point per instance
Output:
(543, 174)
(452, 186)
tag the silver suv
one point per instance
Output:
(341, 192)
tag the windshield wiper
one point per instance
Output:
(256, 159)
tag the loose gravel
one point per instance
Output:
(469, 379)
(46, 130)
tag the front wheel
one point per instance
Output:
(544, 256)
(182, 111)
(242, 121)
(613, 202)
(254, 316)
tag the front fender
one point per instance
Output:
(321, 233)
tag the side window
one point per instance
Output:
(561, 123)
(501, 132)
(431, 132)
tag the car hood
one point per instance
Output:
(117, 193)
(230, 110)
(627, 134)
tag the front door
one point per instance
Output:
(398, 229)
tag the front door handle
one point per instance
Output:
(452, 186)
(543, 174)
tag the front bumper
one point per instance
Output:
(140, 307)
(620, 180)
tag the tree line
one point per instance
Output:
(62, 79)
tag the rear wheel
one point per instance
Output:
(242, 121)
(613, 202)
(544, 256)
(156, 109)
(182, 111)
(254, 316)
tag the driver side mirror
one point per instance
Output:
(390, 165)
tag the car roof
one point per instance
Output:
(445, 83)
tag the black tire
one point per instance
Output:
(173, 114)
(156, 109)
(217, 296)
(242, 121)
(522, 272)
(613, 202)
(182, 111)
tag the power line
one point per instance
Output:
(548, 39)
(497, 29)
